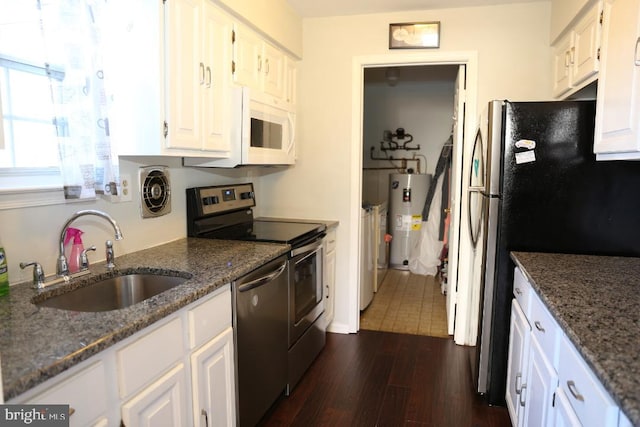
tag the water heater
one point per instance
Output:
(407, 195)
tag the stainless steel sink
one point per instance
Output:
(113, 293)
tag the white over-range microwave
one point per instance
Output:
(262, 134)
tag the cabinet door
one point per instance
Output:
(161, 404)
(562, 66)
(185, 73)
(330, 275)
(273, 72)
(212, 381)
(216, 91)
(563, 415)
(86, 394)
(586, 46)
(247, 57)
(519, 336)
(291, 83)
(542, 381)
(618, 102)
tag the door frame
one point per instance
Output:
(459, 277)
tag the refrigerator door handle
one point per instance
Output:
(475, 235)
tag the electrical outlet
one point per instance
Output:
(125, 189)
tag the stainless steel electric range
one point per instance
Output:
(225, 212)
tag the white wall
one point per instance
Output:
(513, 62)
(275, 18)
(424, 109)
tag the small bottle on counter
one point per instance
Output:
(4, 272)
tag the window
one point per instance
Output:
(56, 91)
(29, 131)
(28, 152)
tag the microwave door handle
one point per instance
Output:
(292, 133)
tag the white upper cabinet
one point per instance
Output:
(618, 103)
(576, 55)
(291, 83)
(172, 85)
(264, 69)
(198, 65)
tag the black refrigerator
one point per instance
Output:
(534, 185)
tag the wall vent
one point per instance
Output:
(155, 191)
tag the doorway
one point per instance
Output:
(408, 116)
(448, 61)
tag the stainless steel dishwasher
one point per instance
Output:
(260, 324)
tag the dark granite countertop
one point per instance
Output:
(596, 300)
(38, 343)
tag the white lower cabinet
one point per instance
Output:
(329, 274)
(212, 376)
(587, 397)
(542, 380)
(168, 374)
(163, 403)
(85, 392)
(519, 336)
(563, 414)
(548, 382)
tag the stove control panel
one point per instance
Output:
(223, 198)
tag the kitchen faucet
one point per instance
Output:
(62, 268)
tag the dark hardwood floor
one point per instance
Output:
(386, 379)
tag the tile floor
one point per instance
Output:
(407, 303)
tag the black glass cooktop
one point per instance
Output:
(269, 231)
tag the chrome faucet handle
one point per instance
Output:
(84, 259)
(38, 273)
(110, 254)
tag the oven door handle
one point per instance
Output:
(262, 280)
(307, 248)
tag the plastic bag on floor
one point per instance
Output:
(424, 258)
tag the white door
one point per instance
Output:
(186, 73)
(456, 176)
(212, 379)
(161, 404)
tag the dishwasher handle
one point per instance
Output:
(262, 280)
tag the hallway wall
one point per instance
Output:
(424, 108)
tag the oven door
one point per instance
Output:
(306, 302)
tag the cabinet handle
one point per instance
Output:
(206, 418)
(637, 61)
(259, 63)
(266, 63)
(208, 77)
(201, 73)
(539, 326)
(566, 59)
(522, 399)
(518, 380)
(572, 54)
(574, 391)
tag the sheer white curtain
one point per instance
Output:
(74, 32)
